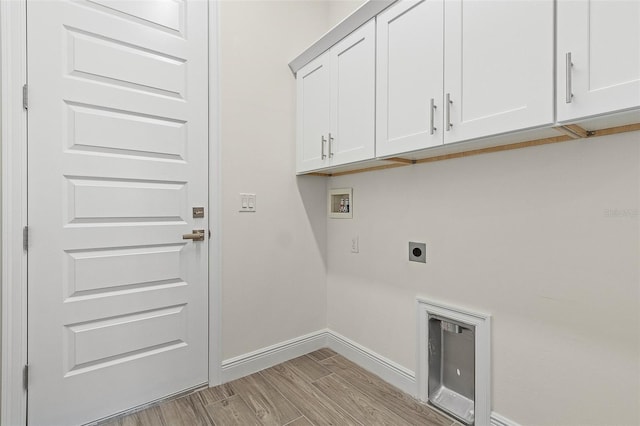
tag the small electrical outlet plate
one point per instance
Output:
(417, 252)
(355, 244)
(247, 202)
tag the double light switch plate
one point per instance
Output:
(247, 202)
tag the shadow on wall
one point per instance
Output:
(313, 192)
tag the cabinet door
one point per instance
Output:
(409, 77)
(498, 66)
(603, 39)
(313, 118)
(353, 97)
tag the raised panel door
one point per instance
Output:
(118, 154)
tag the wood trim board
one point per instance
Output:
(569, 133)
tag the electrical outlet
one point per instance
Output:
(355, 244)
(417, 252)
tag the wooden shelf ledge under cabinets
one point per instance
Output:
(562, 133)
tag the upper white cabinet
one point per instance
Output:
(336, 104)
(429, 73)
(455, 70)
(598, 57)
(409, 77)
(498, 67)
(313, 117)
(353, 88)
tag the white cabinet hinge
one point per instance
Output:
(25, 238)
(25, 97)
(25, 376)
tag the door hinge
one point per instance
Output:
(25, 97)
(25, 238)
(25, 376)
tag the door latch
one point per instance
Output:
(197, 235)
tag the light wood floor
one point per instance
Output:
(321, 388)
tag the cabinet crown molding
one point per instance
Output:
(352, 22)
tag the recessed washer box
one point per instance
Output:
(340, 203)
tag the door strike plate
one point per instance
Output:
(198, 212)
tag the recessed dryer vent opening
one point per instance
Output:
(451, 357)
(454, 361)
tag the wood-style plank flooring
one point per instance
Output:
(321, 388)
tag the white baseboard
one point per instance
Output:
(252, 362)
(391, 372)
(498, 420)
(395, 374)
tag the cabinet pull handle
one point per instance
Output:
(330, 146)
(432, 108)
(448, 101)
(323, 142)
(569, 66)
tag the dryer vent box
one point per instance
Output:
(452, 367)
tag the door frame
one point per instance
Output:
(13, 137)
(13, 74)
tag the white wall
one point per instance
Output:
(340, 9)
(545, 239)
(273, 266)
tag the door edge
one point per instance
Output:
(215, 221)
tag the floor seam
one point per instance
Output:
(320, 378)
(294, 420)
(336, 402)
(282, 395)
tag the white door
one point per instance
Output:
(602, 40)
(313, 107)
(409, 77)
(498, 66)
(117, 158)
(353, 70)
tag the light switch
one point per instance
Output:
(247, 202)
